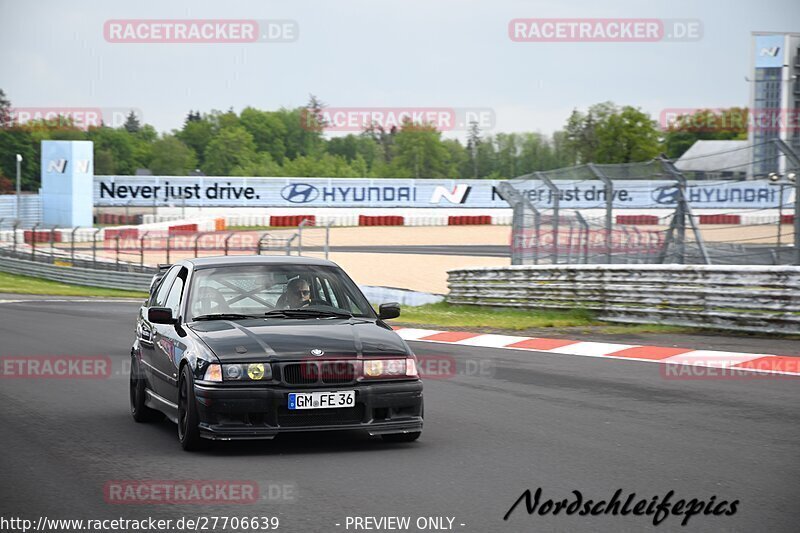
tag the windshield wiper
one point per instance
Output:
(225, 316)
(306, 313)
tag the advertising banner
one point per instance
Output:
(204, 191)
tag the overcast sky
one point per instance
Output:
(381, 53)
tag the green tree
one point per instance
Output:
(121, 145)
(535, 153)
(104, 164)
(268, 132)
(628, 136)
(196, 134)
(5, 110)
(473, 142)
(232, 148)
(487, 157)
(346, 146)
(327, 165)
(420, 153)
(609, 134)
(507, 154)
(563, 153)
(170, 157)
(261, 166)
(302, 137)
(383, 139)
(457, 159)
(221, 120)
(352, 147)
(132, 124)
(313, 118)
(581, 130)
(18, 140)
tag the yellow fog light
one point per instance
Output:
(256, 371)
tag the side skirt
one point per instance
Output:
(154, 401)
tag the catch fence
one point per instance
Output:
(577, 215)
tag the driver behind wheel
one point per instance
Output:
(298, 293)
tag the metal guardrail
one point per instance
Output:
(30, 211)
(764, 299)
(109, 279)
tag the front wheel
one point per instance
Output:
(188, 432)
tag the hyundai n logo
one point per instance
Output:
(665, 195)
(300, 193)
(458, 195)
(59, 166)
(770, 52)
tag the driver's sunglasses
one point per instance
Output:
(302, 292)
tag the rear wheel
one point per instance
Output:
(402, 437)
(188, 432)
(140, 411)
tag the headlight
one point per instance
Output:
(247, 372)
(389, 368)
(233, 371)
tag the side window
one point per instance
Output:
(176, 293)
(160, 299)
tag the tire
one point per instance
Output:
(188, 431)
(402, 437)
(140, 412)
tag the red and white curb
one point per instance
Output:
(730, 361)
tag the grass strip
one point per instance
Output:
(13, 283)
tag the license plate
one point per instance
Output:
(322, 400)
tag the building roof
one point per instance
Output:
(709, 156)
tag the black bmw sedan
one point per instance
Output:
(250, 347)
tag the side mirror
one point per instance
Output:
(160, 315)
(389, 310)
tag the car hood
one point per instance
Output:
(287, 339)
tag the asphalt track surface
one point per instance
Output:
(526, 420)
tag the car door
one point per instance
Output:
(148, 332)
(170, 343)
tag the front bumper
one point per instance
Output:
(232, 413)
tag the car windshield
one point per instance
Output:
(254, 290)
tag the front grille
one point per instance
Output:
(320, 417)
(311, 372)
(301, 373)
